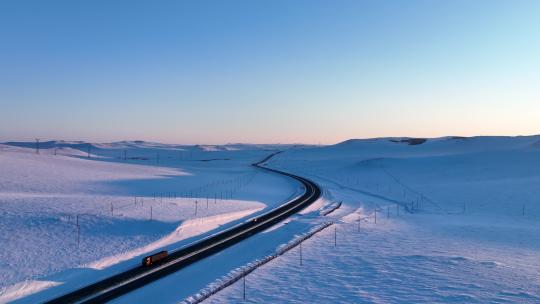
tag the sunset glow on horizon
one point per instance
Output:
(268, 72)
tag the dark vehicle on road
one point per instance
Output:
(155, 258)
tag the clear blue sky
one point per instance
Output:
(267, 71)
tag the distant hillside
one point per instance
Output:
(451, 142)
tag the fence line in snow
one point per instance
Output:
(241, 272)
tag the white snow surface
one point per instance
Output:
(467, 231)
(458, 220)
(129, 198)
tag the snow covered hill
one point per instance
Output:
(440, 220)
(66, 214)
(458, 220)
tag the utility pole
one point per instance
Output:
(78, 232)
(244, 279)
(300, 253)
(37, 145)
(89, 147)
(335, 236)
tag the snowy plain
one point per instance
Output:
(77, 212)
(458, 219)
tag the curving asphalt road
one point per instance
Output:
(117, 285)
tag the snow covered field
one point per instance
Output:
(70, 217)
(458, 220)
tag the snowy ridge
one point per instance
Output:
(188, 228)
(432, 146)
(140, 144)
(331, 208)
(15, 291)
(241, 272)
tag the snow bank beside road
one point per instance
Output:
(187, 229)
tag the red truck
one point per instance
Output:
(155, 258)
